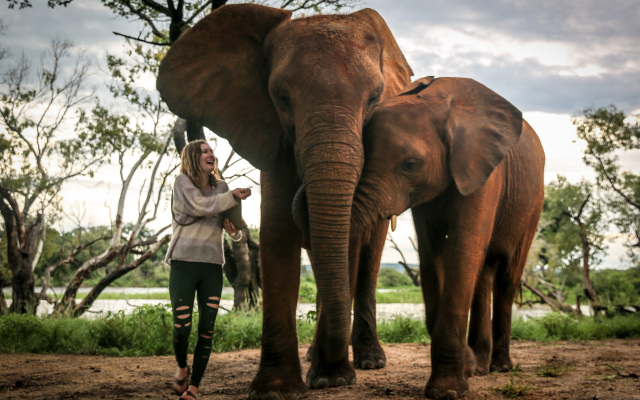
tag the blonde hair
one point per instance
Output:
(190, 166)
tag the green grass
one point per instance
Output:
(411, 294)
(402, 329)
(554, 326)
(147, 332)
(404, 294)
(552, 370)
(512, 390)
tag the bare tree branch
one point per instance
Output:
(414, 276)
(141, 40)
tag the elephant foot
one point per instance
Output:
(482, 370)
(450, 388)
(483, 361)
(370, 357)
(470, 362)
(273, 384)
(320, 377)
(502, 364)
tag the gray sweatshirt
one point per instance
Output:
(202, 240)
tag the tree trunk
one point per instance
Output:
(87, 302)
(68, 301)
(242, 271)
(3, 302)
(554, 304)
(589, 291)
(20, 252)
(411, 273)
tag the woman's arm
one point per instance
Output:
(187, 199)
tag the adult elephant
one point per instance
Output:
(471, 169)
(292, 97)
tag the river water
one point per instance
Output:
(383, 311)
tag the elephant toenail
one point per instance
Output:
(451, 394)
(272, 396)
(381, 363)
(367, 364)
(321, 383)
(254, 395)
(341, 381)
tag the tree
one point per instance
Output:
(572, 226)
(608, 132)
(27, 3)
(143, 138)
(411, 272)
(36, 111)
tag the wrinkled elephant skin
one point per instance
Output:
(292, 97)
(471, 169)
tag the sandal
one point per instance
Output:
(181, 385)
(189, 394)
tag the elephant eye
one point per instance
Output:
(374, 99)
(284, 101)
(411, 165)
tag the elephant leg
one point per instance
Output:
(430, 244)
(324, 373)
(329, 354)
(464, 254)
(504, 293)
(480, 339)
(505, 288)
(279, 373)
(367, 351)
(329, 357)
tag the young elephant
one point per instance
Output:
(471, 169)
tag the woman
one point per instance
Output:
(196, 257)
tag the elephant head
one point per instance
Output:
(435, 134)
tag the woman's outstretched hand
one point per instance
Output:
(241, 193)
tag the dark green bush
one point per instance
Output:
(391, 278)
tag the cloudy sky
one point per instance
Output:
(551, 58)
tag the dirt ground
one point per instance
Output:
(38, 376)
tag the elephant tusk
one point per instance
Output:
(394, 222)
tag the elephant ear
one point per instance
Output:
(481, 128)
(216, 75)
(397, 72)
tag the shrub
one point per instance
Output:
(401, 329)
(308, 292)
(391, 278)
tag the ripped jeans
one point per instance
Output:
(185, 279)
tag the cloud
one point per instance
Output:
(548, 56)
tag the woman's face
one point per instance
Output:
(207, 159)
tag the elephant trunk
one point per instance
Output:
(367, 203)
(332, 168)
